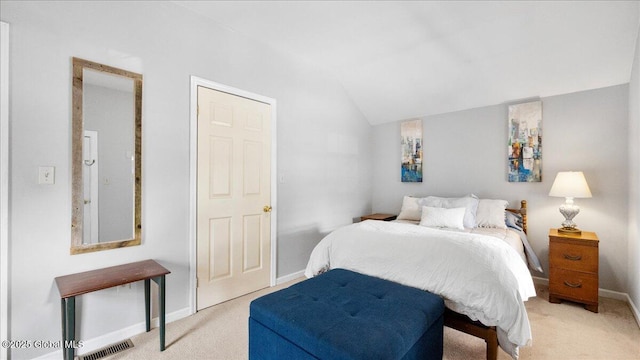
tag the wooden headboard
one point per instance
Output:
(523, 212)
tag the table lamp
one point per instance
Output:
(570, 185)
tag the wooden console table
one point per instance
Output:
(73, 285)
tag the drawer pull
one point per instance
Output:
(572, 257)
(572, 285)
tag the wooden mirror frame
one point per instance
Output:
(77, 198)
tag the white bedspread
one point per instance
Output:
(477, 275)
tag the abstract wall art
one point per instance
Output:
(525, 142)
(411, 148)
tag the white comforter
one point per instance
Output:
(477, 275)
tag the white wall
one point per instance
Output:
(634, 182)
(324, 159)
(465, 152)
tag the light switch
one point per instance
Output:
(46, 175)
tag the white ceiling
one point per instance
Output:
(405, 59)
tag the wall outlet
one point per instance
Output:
(46, 175)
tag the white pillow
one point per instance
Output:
(410, 209)
(442, 217)
(491, 213)
(469, 203)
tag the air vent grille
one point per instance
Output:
(106, 351)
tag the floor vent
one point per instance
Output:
(106, 351)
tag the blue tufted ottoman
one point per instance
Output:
(345, 315)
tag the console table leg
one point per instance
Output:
(64, 323)
(160, 280)
(68, 327)
(161, 283)
(147, 303)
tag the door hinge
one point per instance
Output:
(197, 282)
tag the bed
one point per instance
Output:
(473, 252)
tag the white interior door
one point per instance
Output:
(90, 178)
(233, 225)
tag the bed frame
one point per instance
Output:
(463, 323)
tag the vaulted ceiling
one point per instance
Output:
(405, 59)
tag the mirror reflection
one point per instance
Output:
(107, 154)
(108, 161)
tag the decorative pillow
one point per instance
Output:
(410, 209)
(469, 203)
(442, 217)
(491, 213)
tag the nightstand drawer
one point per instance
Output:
(573, 257)
(573, 285)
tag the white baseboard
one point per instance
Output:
(539, 280)
(604, 293)
(286, 278)
(634, 310)
(116, 336)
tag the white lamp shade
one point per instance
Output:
(571, 184)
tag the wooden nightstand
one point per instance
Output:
(573, 268)
(383, 217)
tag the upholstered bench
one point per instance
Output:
(345, 315)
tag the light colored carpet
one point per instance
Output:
(560, 331)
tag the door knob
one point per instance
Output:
(266, 208)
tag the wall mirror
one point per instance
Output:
(106, 157)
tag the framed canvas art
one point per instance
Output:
(411, 145)
(525, 142)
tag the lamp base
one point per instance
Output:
(568, 230)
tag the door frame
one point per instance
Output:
(4, 187)
(193, 162)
